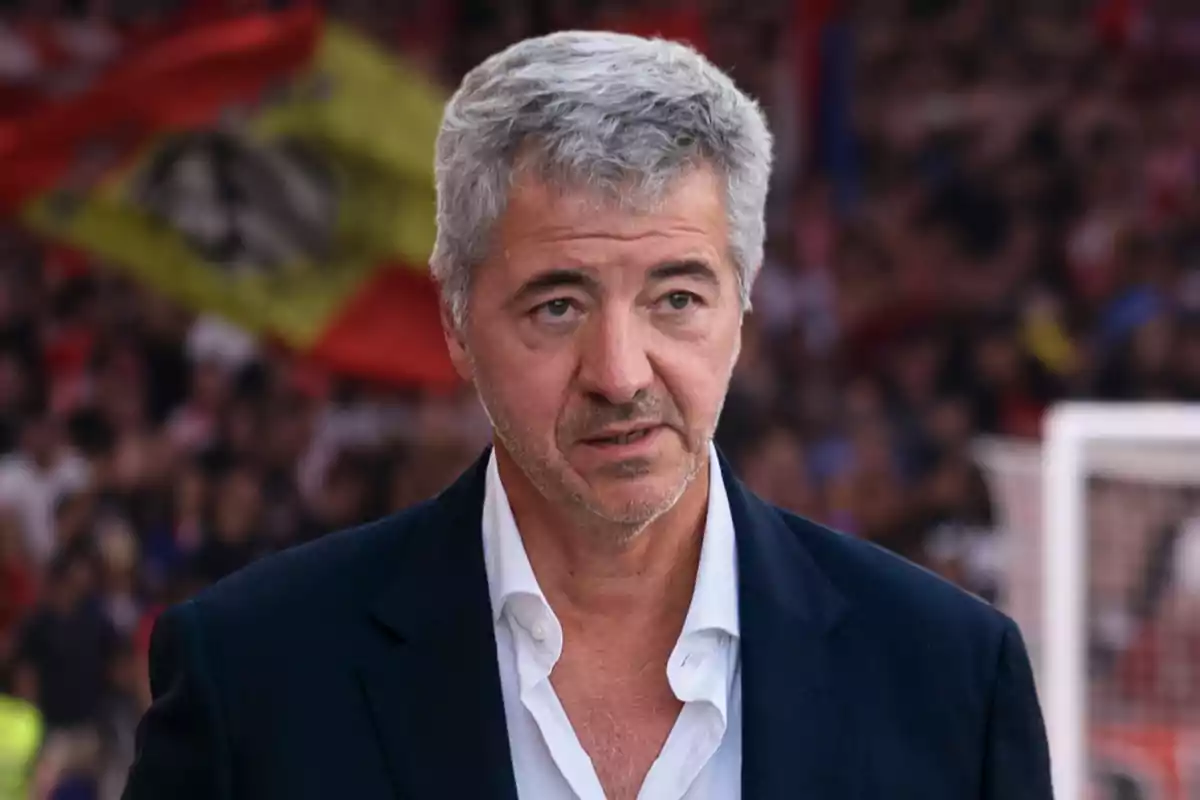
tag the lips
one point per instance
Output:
(623, 437)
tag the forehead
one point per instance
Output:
(544, 226)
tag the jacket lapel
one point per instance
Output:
(431, 677)
(433, 687)
(798, 738)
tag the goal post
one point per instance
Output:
(1076, 439)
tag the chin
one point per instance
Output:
(635, 503)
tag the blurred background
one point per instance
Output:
(217, 339)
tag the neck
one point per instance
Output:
(596, 573)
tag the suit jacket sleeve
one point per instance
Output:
(1017, 759)
(182, 750)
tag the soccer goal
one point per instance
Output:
(1101, 524)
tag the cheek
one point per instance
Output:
(708, 395)
(697, 376)
(527, 389)
(722, 347)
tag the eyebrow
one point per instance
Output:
(686, 268)
(553, 279)
(564, 278)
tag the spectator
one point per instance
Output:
(63, 656)
(774, 468)
(18, 585)
(118, 587)
(34, 478)
(232, 538)
(20, 739)
(958, 518)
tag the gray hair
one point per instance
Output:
(616, 115)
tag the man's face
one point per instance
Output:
(601, 342)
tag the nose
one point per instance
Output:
(614, 363)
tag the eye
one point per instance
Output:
(557, 310)
(681, 301)
(557, 307)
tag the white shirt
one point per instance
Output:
(702, 756)
(30, 494)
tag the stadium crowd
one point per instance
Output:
(981, 208)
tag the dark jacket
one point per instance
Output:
(363, 666)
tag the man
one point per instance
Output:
(20, 740)
(35, 478)
(63, 659)
(597, 608)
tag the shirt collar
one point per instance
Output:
(509, 572)
(715, 599)
(714, 603)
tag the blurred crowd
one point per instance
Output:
(980, 208)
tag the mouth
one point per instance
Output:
(620, 438)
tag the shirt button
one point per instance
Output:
(538, 631)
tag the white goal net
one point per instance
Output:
(1101, 531)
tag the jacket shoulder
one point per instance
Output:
(339, 570)
(893, 591)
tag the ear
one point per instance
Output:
(737, 342)
(455, 344)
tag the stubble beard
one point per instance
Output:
(548, 477)
(616, 527)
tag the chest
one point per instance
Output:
(622, 719)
